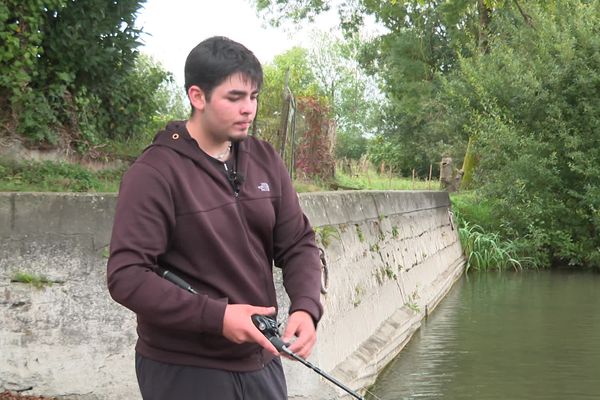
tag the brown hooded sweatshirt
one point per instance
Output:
(177, 211)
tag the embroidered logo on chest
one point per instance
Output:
(264, 187)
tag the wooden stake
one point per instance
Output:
(429, 180)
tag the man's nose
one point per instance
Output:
(248, 106)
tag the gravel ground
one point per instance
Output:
(6, 395)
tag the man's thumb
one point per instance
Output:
(264, 310)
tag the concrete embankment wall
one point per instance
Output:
(391, 257)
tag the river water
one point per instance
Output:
(504, 336)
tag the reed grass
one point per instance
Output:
(488, 251)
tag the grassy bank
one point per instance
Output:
(52, 176)
(484, 247)
(370, 180)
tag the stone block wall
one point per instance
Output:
(391, 257)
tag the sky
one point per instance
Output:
(173, 27)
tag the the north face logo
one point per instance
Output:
(264, 187)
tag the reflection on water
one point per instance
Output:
(530, 335)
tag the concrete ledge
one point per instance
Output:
(392, 256)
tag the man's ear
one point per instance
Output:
(197, 97)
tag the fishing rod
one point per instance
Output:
(268, 327)
(171, 277)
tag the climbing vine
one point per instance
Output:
(315, 157)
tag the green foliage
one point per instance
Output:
(518, 79)
(37, 281)
(330, 75)
(484, 239)
(295, 65)
(56, 177)
(287, 80)
(350, 144)
(305, 187)
(349, 91)
(475, 209)
(359, 233)
(374, 181)
(71, 75)
(485, 251)
(425, 39)
(326, 234)
(276, 10)
(532, 103)
(21, 36)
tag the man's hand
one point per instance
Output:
(300, 324)
(238, 326)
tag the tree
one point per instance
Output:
(351, 92)
(425, 39)
(293, 66)
(532, 104)
(69, 71)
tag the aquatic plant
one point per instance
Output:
(487, 251)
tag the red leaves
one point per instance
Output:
(314, 159)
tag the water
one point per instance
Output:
(508, 336)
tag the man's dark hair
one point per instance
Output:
(215, 59)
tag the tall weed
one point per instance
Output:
(488, 251)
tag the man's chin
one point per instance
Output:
(238, 137)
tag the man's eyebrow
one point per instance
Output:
(237, 92)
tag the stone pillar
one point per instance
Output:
(450, 177)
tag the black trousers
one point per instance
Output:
(160, 381)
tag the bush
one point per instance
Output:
(532, 105)
(71, 75)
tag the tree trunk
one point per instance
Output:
(469, 164)
(485, 16)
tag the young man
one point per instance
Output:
(216, 208)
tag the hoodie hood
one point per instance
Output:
(176, 137)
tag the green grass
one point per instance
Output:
(51, 176)
(486, 251)
(306, 187)
(127, 150)
(56, 176)
(326, 234)
(475, 209)
(37, 281)
(484, 248)
(375, 181)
